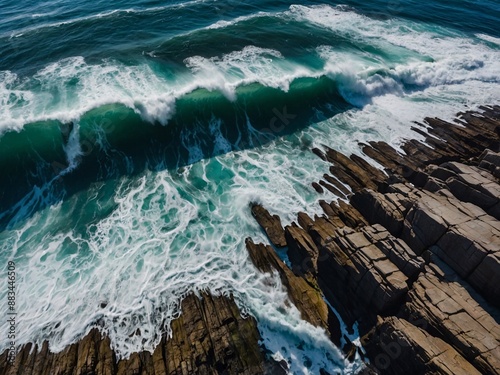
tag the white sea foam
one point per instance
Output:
(168, 233)
(418, 59)
(73, 149)
(489, 38)
(448, 73)
(68, 89)
(250, 65)
(226, 23)
(53, 95)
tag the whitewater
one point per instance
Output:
(128, 164)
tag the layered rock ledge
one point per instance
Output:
(210, 337)
(411, 254)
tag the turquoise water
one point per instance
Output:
(134, 136)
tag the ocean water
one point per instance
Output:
(134, 136)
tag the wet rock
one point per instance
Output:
(318, 187)
(354, 268)
(388, 157)
(302, 251)
(308, 300)
(209, 337)
(332, 189)
(338, 185)
(304, 220)
(353, 171)
(271, 225)
(348, 214)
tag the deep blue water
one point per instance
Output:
(133, 136)
(125, 29)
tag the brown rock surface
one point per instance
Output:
(211, 334)
(362, 272)
(209, 337)
(399, 347)
(383, 209)
(458, 315)
(302, 251)
(271, 225)
(308, 300)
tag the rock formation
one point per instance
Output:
(210, 337)
(415, 257)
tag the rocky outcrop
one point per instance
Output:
(414, 258)
(399, 347)
(362, 272)
(271, 225)
(305, 297)
(209, 337)
(211, 334)
(458, 316)
(462, 234)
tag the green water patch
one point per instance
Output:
(113, 140)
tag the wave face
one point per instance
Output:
(134, 136)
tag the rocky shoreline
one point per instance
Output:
(413, 258)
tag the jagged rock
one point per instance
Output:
(457, 315)
(321, 230)
(319, 153)
(356, 275)
(378, 208)
(332, 189)
(376, 174)
(341, 214)
(396, 250)
(307, 299)
(348, 214)
(388, 157)
(470, 185)
(318, 187)
(434, 185)
(461, 234)
(345, 177)
(398, 347)
(442, 173)
(327, 209)
(271, 225)
(209, 337)
(422, 153)
(422, 227)
(491, 161)
(381, 283)
(338, 185)
(304, 220)
(302, 251)
(353, 171)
